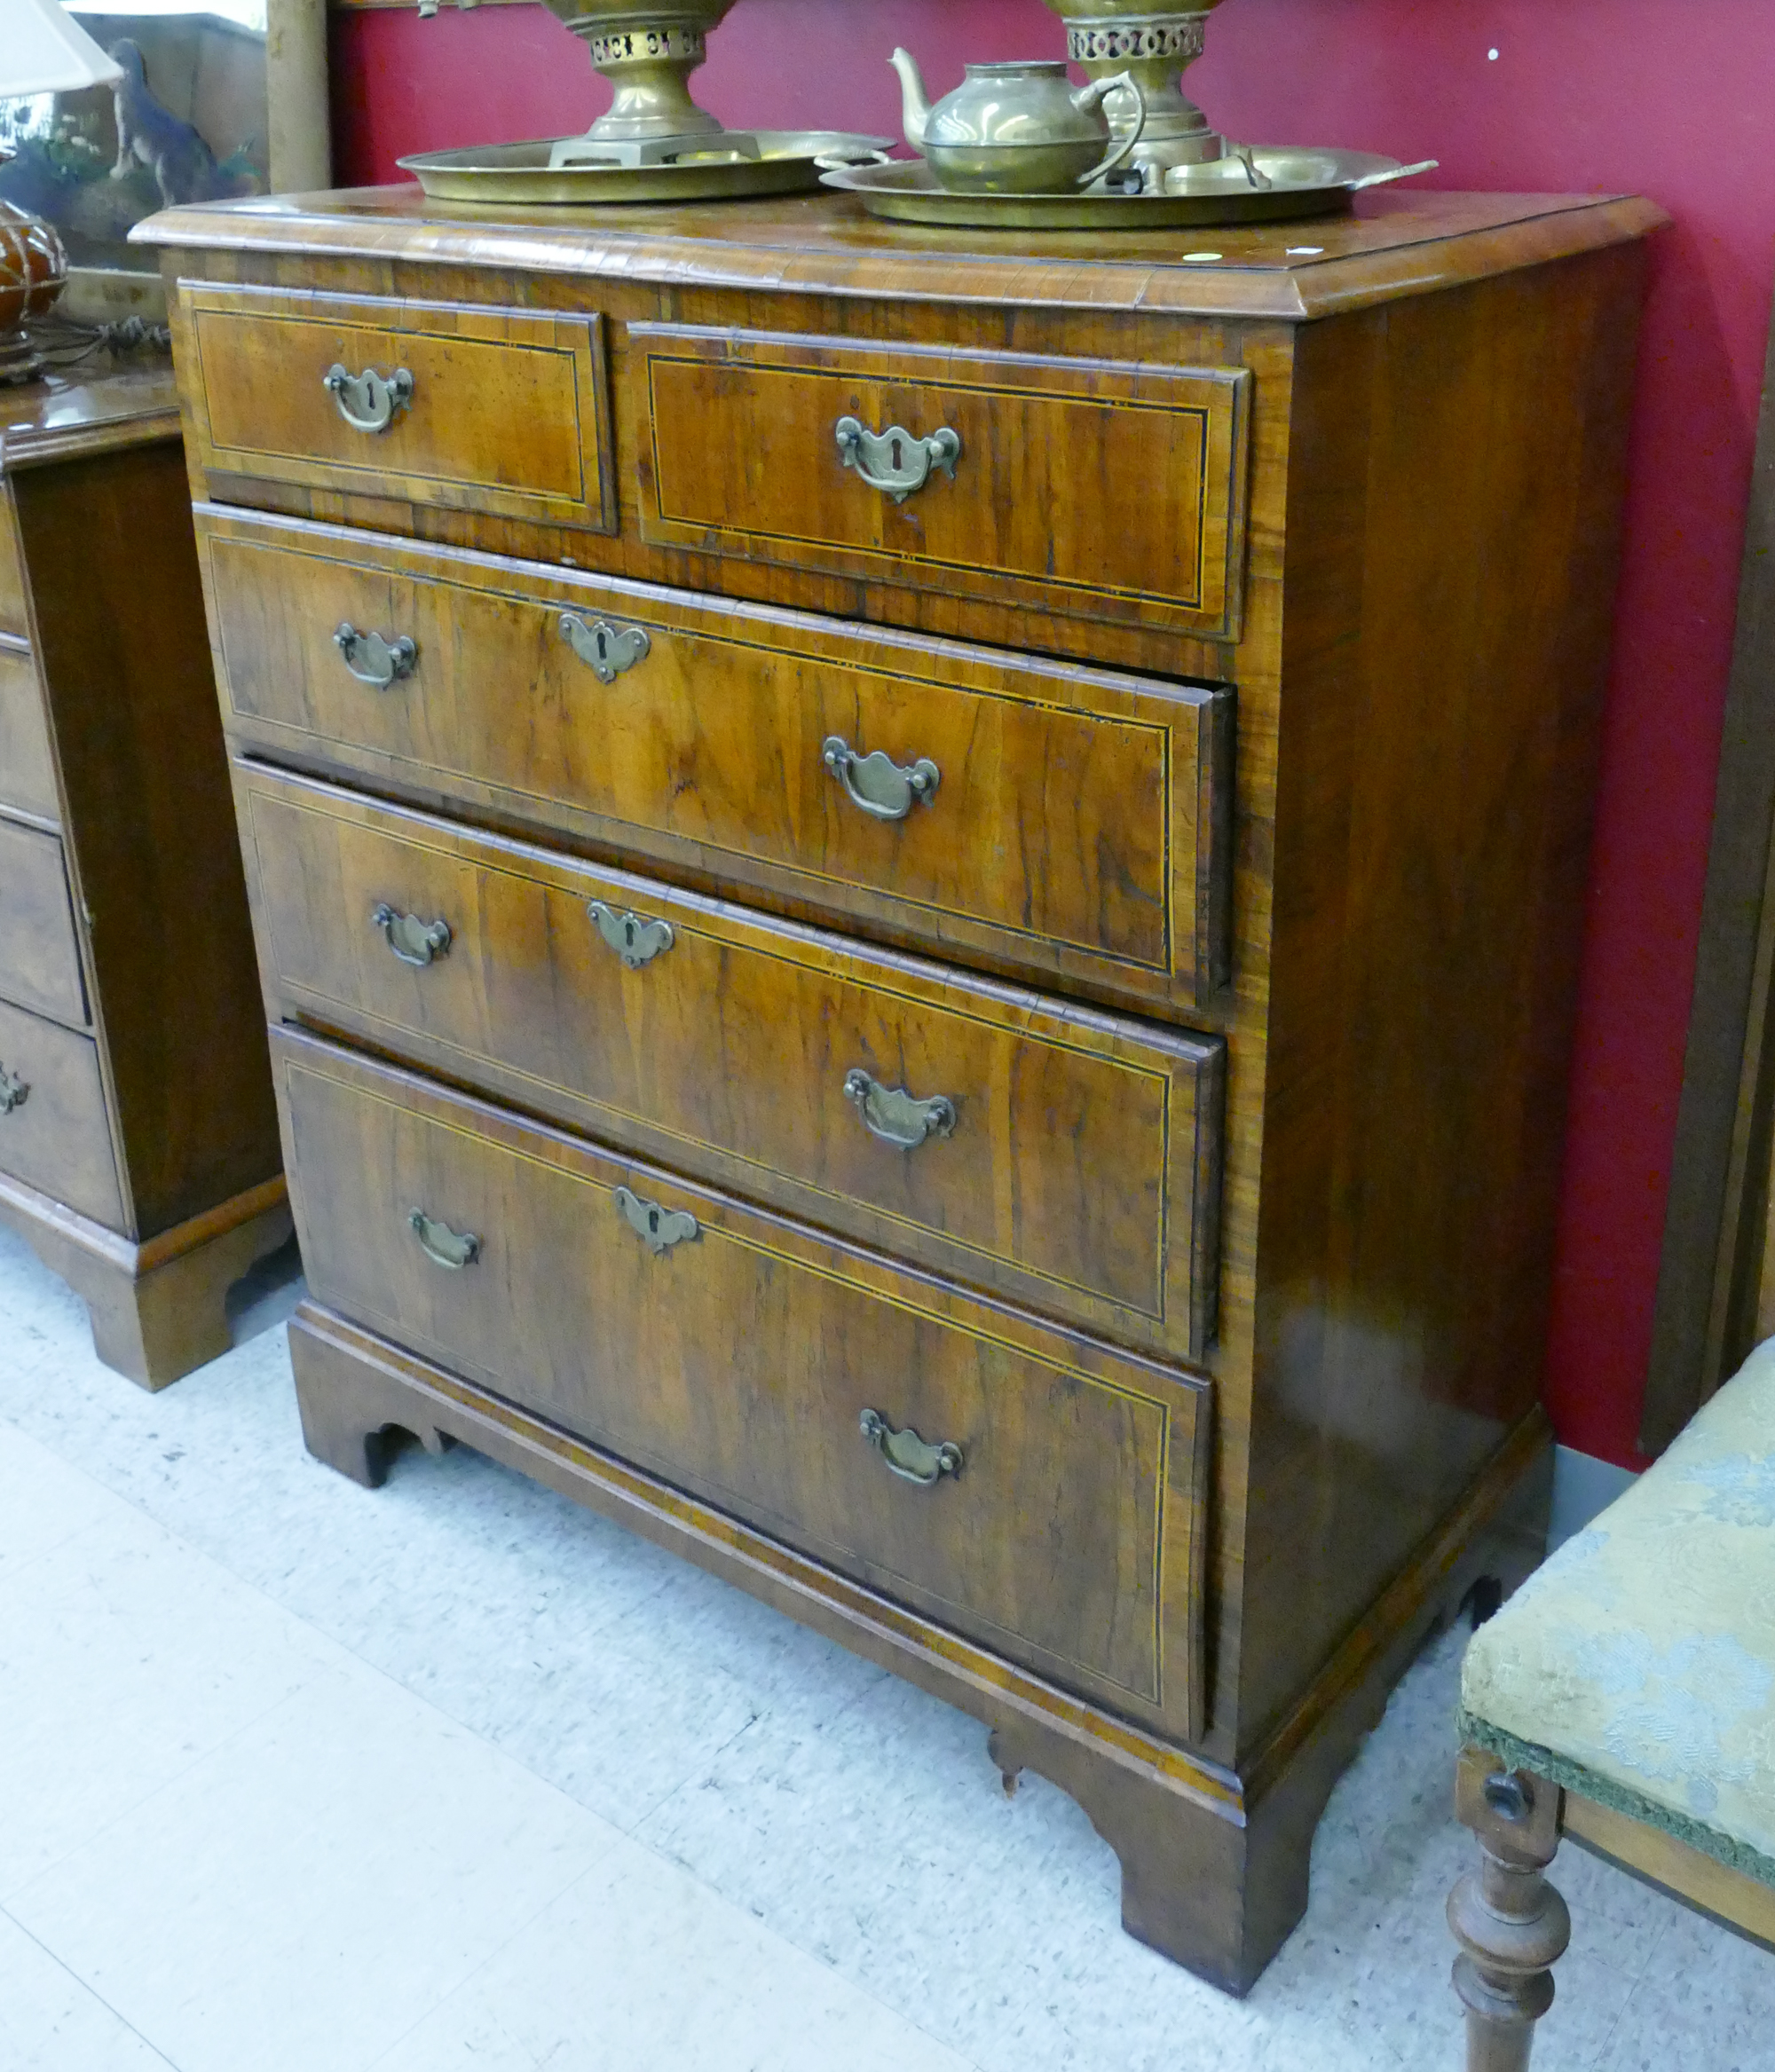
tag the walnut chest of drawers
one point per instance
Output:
(138, 1140)
(920, 904)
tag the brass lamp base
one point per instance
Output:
(1157, 46)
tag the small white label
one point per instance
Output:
(1200, 258)
(1493, 56)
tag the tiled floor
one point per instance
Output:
(456, 1778)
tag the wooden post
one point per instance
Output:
(1510, 1924)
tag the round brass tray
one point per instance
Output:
(788, 163)
(1289, 183)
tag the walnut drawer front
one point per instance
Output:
(736, 1354)
(14, 617)
(1052, 1154)
(53, 1132)
(1097, 490)
(39, 951)
(26, 762)
(472, 408)
(1054, 819)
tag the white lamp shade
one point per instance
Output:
(43, 50)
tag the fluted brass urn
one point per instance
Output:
(648, 54)
(1157, 46)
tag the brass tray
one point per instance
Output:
(788, 161)
(1300, 182)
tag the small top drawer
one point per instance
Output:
(1094, 490)
(468, 407)
(26, 764)
(39, 950)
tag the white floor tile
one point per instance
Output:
(639, 1968)
(124, 1661)
(49, 2022)
(44, 1503)
(299, 1899)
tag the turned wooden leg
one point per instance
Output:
(1510, 1924)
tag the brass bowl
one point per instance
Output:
(1157, 45)
(648, 54)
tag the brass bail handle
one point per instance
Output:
(907, 1456)
(413, 941)
(893, 461)
(1093, 96)
(368, 401)
(443, 1247)
(373, 657)
(876, 782)
(895, 1117)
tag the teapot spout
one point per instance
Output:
(916, 107)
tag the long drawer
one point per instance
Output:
(53, 1131)
(464, 406)
(27, 765)
(1054, 1153)
(1055, 820)
(1092, 489)
(1028, 1485)
(39, 950)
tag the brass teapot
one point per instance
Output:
(1017, 129)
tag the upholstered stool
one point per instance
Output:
(1626, 1697)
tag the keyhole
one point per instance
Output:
(629, 932)
(653, 1221)
(898, 462)
(603, 645)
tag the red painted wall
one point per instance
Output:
(1581, 95)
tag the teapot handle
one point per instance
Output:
(1093, 95)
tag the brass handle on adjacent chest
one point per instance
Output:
(368, 401)
(12, 1091)
(635, 940)
(877, 783)
(413, 941)
(893, 461)
(443, 1246)
(659, 1228)
(892, 1115)
(907, 1456)
(605, 649)
(374, 659)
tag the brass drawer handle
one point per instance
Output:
(413, 941)
(374, 659)
(443, 1246)
(605, 649)
(635, 940)
(877, 783)
(368, 401)
(661, 1228)
(893, 461)
(909, 1456)
(14, 1091)
(892, 1115)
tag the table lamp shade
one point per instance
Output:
(44, 49)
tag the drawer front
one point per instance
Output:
(53, 1132)
(1075, 821)
(14, 618)
(736, 1354)
(1095, 490)
(1052, 1154)
(26, 764)
(39, 952)
(480, 409)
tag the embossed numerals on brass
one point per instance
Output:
(637, 942)
(368, 401)
(12, 1091)
(374, 659)
(659, 1228)
(907, 1456)
(443, 1246)
(893, 1115)
(413, 941)
(893, 461)
(876, 782)
(605, 649)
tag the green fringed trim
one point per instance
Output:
(1543, 1762)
